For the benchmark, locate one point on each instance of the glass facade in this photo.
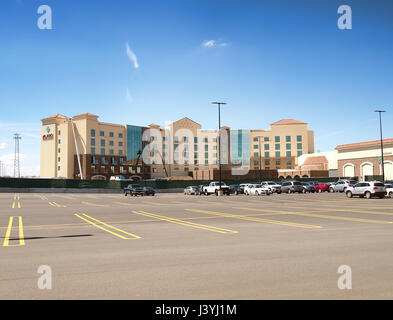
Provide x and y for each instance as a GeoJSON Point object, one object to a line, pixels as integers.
{"type": "Point", "coordinates": [240, 147]}
{"type": "Point", "coordinates": [134, 141]}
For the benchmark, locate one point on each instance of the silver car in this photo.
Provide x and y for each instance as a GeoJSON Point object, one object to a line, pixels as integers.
{"type": "Point", "coordinates": [341, 185]}
{"type": "Point", "coordinates": [367, 189]}
{"type": "Point", "coordinates": [292, 187]}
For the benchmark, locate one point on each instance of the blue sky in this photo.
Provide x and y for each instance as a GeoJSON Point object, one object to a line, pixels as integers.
{"type": "Point", "coordinates": [269, 60]}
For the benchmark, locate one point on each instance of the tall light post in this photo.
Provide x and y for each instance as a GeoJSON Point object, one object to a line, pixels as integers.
{"type": "Point", "coordinates": [17, 137]}
{"type": "Point", "coordinates": [219, 140]}
{"type": "Point", "coordinates": [380, 129]}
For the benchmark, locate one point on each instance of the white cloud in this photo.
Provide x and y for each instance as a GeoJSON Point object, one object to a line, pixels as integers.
{"type": "Point", "coordinates": [209, 43]}
{"type": "Point", "coordinates": [213, 43]}
{"type": "Point", "coordinates": [3, 145]}
{"type": "Point", "coordinates": [131, 55]}
{"type": "Point", "coordinates": [128, 96]}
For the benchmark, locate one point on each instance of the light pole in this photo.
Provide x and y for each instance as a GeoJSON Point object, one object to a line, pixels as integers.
{"type": "Point", "coordinates": [380, 129]}
{"type": "Point", "coordinates": [219, 140]}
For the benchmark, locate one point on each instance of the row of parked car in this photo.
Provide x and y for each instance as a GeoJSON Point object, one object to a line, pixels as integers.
{"type": "Point", "coordinates": [349, 187]}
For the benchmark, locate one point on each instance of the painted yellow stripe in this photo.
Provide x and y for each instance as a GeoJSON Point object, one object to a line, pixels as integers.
{"type": "Point", "coordinates": [21, 235]}
{"type": "Point", "coordinates": [317, 215]}
{"type": "Point", "coordinates": [353, 210]}
{"type": "Point", "coordinates": [185, 223]}
{"type": "Point", "coordinates": [129, 204]}
{"type": "Point", "coordinates": [248, 218]}
{"type": "Point", "coordinates": [94, 204]}
{"type": "Point", "coordinates": [112, 227]}
{"type": "Point", "coordinates": [8, 233]}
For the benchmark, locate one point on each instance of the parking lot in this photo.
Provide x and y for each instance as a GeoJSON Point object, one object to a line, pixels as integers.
{"type": "Point", "coordinates": [172, 246]}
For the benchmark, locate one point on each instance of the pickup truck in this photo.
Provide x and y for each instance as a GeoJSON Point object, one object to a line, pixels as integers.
{"type": "Point", "coordinates": [214, 187]}
{"type": "Point", "coordinates": [133, 190]}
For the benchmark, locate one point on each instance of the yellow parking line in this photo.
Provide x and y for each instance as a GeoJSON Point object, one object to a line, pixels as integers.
{"type": "Point", "coordinates": [107, 225]}
{"type": "Point", "coordinates": [8, 233]}
{"type": "Point", "coordinates": [248, 218]}
{"type": "Point", "coordinates": [184, 223]}
{"type": "Point", "coordinates": [129, 204]}
{"type": "Point", "coordinates": [94, 204]}
{"type": "Point", "coordinates": [316, 215]}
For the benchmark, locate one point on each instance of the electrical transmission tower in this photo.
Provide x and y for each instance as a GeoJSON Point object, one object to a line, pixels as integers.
{"type": "Point", "coordinates": [17, 137]}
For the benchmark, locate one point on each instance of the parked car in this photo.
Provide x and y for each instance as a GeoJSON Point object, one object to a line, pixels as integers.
{"type": "Point", "coordinates": [321, 187]}
{"type": "Point", "coordinates": [389, 190]}
{"type": "Point", "coordinates": [291, 187]}
{"type": "Point", "coordinates": [236, 189]}
{"type": "Point", "coordinates": [148, 191]}
{"type": "Point", "coordinates": [273, 186]}
{"type": "Point", "coordinates": [257, 190]}
{"type": "Point", "coordinates": [191, 190]}
{"type": "Point", "coordinates": [133, 190]}
{"type": "Point", "coordinates": [341, 185]}
{"type": "Point", "coordinates": [214, 187]}
{"type": "Point", "coordinates": [367, 189]}
{"type": "Point", "coordinates": [308, 187]}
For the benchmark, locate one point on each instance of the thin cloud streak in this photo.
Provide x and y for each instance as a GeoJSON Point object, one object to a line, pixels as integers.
{"type": "Point", "coordinates": [131, 55]}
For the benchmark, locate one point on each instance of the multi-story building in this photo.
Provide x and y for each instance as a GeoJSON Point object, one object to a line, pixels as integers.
{"type": "Point", "coordinates": [103, 150]}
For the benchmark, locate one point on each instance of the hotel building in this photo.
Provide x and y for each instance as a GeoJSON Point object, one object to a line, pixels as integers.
{"type": "Point", "coordinates": [104, 150]}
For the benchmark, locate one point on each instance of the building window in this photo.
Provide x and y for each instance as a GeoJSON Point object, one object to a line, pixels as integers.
{"type": "Point", "coordinates": [92, 133]}
{"type": "Point", "coordinates": [164, 139]}
{"type": "Point", "coordinates": [112, 169]}
{"type": "Point", "coordinates": [164, 146]}
{"type": "Point", "coordinates": [214, 139]}
{"type": "Point", "coordinates": [255, 139]}
{"type": "Point", "coordinates": [102, 143]}
{"type": "Point", "coordinates": [120, 135]}
{"type": "Point", "coordinates": [255, 146]}
{"type": "Point", "coordinates": [288, 138]}
{"type": "Point", "coordinates": [288, 146]}
{"type": "Point", "coordinates": [93, 142]}
{"type": "Point", "coordinates": [278, 154]}
{"type": "Point", "coordinates": [278, 162]}
{"type": "Point", "coordinates": [120, 143]}
{"type": "Point", "coordinates": [175, 146]}
{"type": "Point", "coordinates": [196, 162]}
{"type": "Point", "coordinates": [185, 154]}
{"type": "Point", "coordinates": [277, 139]}
{"type": "Point", "coordinates": [58, 159]}
{"type": "Point", "coordinates": [93, 151]}
{"type": "Point", "coordinates": [121, 169]}
{"type": "Point", "coordinates": [59, 141]}
{"type": "Point", "coordinates": [256, 162]}
{"type": "Point", "coordinates": [266, 147]}
{"type": "Point", "coordinates": [205, 139]}
{"type": "Point", "coordinates": [256, 154]}
{"type": "Point", "coordinates": [111, 151]}
{"type": "Point", "coordinates": [267, 162]}
{"type": "Point", "coordinates": [102, 151]}
{"type": "Point", "coordinates": [299, 153]}
{"type": "Point", "coordinates": [299, 145]}
{"type": "Point", "coordinates": [277, 146]}
{"type": "Point", "coordinates": [111, 134]}
{"type": "Point", "coordinates": [266, 138]}
{"type": "Point", "coordinates": [214, 147]}
{"type": "Point", "coordinates": [58, 168]}
{"type": "Point", "coordinates": [111, 143]}
{"type": "Point", "coordinates": [195, 139]}
{"type": "Point", "coordinates": [185, 139]}
{"type": "Point", "coordinates": [59, 132]}
{"type": "Point", "coordinates": [94, 160]}
{"type": "Point", "coordinates": [155, 170]}
{"type": "Point", "coordinates": [299, 138]}
{"type": "Point", "coordinates": [206, 162]}
{"type": "Point", "coordinates": [121, 160]}
{"type": "Point", "coordinates": [102, 133]}
{"type": "Point", "coordinates": [206, 155]}
{"type": "Point", "coordinates": [289, 161]}
{"type": "Point", "coordinates": [176, 155]}
{"type": "Point", "coordinates": [120, 152]}
{"type": "Point", "coordinates": [206, 147]}
{"type": "Point", "coordinates": [214, 155]}
{"type": "Point", "coordinates": [267, 155]}
{"type": "Point", "coordinates": [196, 155]}
{"type": "Point", "coordinates": [289, 154]}
{"type": "Point", "coordinates": [58, 150]}
{"type": "Point", "coordinates": [195, 147]}
{"type": "Point", "coordinates": [175, 139]}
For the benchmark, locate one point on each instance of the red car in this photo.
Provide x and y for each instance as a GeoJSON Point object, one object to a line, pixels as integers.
{"type": "Point", "coordinates": [321, 187]}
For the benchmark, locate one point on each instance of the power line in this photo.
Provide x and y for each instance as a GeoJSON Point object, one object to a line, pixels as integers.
{"type": "Point", "coordinates": [17, 137]}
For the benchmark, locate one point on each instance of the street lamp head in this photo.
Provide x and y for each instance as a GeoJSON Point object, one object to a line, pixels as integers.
{"type": "Point", "coordinates": [219, 103]}
{"type": "Point", "coordinates": [379, 111]}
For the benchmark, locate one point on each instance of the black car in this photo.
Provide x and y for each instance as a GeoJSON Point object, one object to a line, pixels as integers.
{"type": "Point", "coordinates": [308, 187]}
{"type": "Point", "coordinates": [236, 189]}
{"type": "Point", "coordinates": [133, 190]}
{"type": "Point", "coordinates": [148, 191]}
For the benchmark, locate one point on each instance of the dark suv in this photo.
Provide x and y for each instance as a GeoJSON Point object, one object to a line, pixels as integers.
{"type": "Point", "coordinates": [133, 190]}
